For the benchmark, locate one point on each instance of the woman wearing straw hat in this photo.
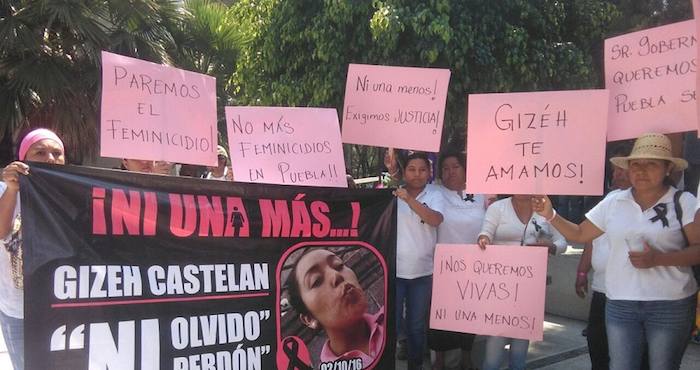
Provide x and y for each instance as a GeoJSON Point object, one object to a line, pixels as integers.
{"type": "Point", "coordinates": [40, 145]}
{"type": "Point", "coordinates": [649, 283]}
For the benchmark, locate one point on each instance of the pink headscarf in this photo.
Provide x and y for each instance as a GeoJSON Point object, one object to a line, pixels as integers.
{"type": "Point", "coordinates": [35, 136]}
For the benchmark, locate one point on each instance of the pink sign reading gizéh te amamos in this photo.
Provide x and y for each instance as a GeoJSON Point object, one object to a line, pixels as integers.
{"type": "Point", "coordinates": [156, 112]}
{"type": "Point", "coordinates": [499, 291]}
{"type": "Point", "coordinates": [651, 77]}
{"type": "Point", "coordinates": [290, 146]}
{"type": "Point", "coordinates": [398, 107]}
{"type": "Point", "coordinates": [550, 142]}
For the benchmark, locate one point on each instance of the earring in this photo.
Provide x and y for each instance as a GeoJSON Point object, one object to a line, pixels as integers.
{"type": "Point", "coordinates": [313, 325]}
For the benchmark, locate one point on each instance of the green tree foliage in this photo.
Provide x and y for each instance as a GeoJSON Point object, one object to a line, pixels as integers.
{"type": "Point", "coordinates": [640, 14]}
{"type": "Point", "coordinates": [50, 60]}
{"type": "Point", "coordinates": [300, 49]}
{"type": "Point", "coordinates": [207, 39]}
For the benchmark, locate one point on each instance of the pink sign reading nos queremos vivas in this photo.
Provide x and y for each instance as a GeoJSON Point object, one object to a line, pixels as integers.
{"type": "Point", "coordinates": [155, 112]}
{"type": "Point", "coordinates": [292, 146]}
{"type": "Point", "coordinates": [549, 142]}
{"type": "Point", "coordinates": [399, 107]}
{"type": "Point", "coordinates": [499, 291]}
{"type": "Point", "coordinates": [651, 75]}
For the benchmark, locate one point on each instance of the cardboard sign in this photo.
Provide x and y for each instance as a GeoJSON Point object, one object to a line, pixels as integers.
{"type": "Point", "coordinates": [537, 143]}
{"type": "Point", "coordinates": [155, 112]}
{"type": "Point", "coordinates": [291, 146]}
{"type": "Point", "coordinates": [651, 77]}
{"type": "Point", "coordinates": [696, 13]}
{"type": "Point", "coordinates": [499, 291]}
{"type": "Point", "coordinates": [399, 107]}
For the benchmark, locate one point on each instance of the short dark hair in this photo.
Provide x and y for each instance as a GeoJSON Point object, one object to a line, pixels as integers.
{"type": "Point", "coordinates": [460, 156]}
{"type": "Point", "coordinates": [418, 155]}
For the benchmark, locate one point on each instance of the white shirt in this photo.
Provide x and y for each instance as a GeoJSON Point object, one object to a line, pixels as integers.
{"type": "Point", "coordinates": [462, 218]}
{"type": "Point", "coordinates": [627, 227]}
{"type": "Point", "coordinates": [415, 239]}
{"type": "Point", "coordinates": [503, 227]}
{"type": "Point", "coordinates": [210, 175]}
{"type": "Point", "coordinates": [599, 260]}
{"type": "Point", "coordinates": [11, 298]}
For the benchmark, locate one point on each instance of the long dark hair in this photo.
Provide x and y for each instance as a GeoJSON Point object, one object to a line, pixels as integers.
{"type": "Point", "coordinates": [293, 290]}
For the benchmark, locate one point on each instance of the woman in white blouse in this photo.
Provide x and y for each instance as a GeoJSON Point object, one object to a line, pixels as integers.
{"type": "Point", "coordinates": [511, 221]}
{"type": "Point", "coordinates": [419, 214]}
{"type": "Point", "coordinates": [463, 215]}
{"type": "Point", "coordinates": [649, 282]}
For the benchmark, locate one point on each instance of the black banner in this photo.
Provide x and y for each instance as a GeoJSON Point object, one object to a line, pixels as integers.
{"type": "Point", "coordinates": [142, 272]}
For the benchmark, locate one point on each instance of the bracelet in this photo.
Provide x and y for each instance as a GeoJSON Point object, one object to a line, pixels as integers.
{"type": "Point", "coordinates": [554, 214]}
{"type": "Point", "coordinates": [582, 273]}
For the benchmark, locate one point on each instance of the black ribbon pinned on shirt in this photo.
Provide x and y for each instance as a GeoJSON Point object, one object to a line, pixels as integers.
{"type": "Point", "coordinates": [290, 346]}
{"type": "Point", "coordinates": [537, 226]}
{"type": "Point", "coordinates": [469, 198]}
{"type": "Point", "coordinates": [661, 211]}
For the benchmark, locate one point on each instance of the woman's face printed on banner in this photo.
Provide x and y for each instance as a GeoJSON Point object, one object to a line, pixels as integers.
{"type": "Point", "coordinates": [330, 290]}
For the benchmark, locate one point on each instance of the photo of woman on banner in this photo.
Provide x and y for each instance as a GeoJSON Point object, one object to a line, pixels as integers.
{"type": "Point", "coordinates": [333, 307]}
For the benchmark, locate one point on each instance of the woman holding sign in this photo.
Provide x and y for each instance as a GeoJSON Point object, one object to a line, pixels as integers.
{"type": "Point", "coordinates": [464, 214]}
{"type": "Point", "coordinates": [649, 282]}
{"type": "Point", "coordinates": [418, 216]}
{"type": "Point", "coordinates": [40, 145]}
{"type": "Point", "coordinates": [511, 221]}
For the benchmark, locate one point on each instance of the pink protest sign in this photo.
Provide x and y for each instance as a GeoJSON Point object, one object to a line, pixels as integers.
{"type": "Point", "coordinates": [398, 107]}
{"type": "Point", "coordinates": [651, 78]}
{"type": "Point", "coordinates": [549, 142]}
{"type": "Point", "coordinates": [499, 291]}
{"type": "Point", "coordinates": [292, 146]}
{"type": "Point", "coordinates": [155, 112]}
{"type": "Point", "coordinates": [696, 13]}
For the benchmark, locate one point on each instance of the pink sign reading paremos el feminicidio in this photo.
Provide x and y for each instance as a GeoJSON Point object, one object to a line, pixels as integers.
{"type": "Point", "coordinates": [651, 78]}
{"type": "Point", "coordinates": [499, 291]}
{"type": "Point", "coordinates": [549, 142]}
{"type": "Point", "coordinates": [399, 107]}
{"type": "Point", "coordinates": [291, 146]}
{"type": "Point", "coordinates": [155, 112]}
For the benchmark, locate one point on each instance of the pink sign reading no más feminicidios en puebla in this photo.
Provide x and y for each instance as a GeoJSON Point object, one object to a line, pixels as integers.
{"type": "Point", "coordinates": [651, 75]}
{"type": "Point", "coordinates": [291, 146]}
{"type": "Point", "coordinates": [498, 291]}
{"type": "Point", "coordinates": [549, 142]}
{"type": "Point", "coordinates": [399, 107]}
{"type": "Point", "coordinates": [156, 112]}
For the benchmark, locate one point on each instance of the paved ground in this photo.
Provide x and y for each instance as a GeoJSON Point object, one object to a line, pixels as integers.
{"type": "Point", "coordinates": [563, 348]}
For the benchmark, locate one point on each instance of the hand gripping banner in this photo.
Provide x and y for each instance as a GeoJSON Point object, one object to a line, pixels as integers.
{"type": "Point", "coordinates": [140, 272]}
